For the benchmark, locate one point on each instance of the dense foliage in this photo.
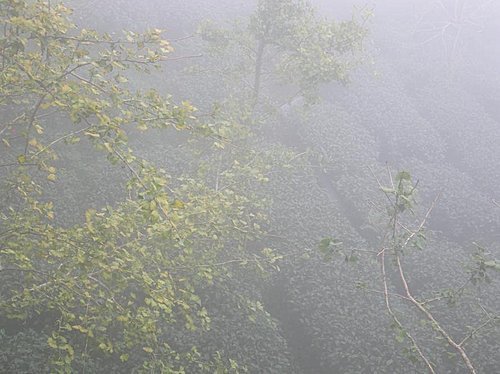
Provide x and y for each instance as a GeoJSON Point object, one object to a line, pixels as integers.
{"type": "Point", "coordinates": [110, 290]}
{"type": "Point", "coordinates": [241, 216]}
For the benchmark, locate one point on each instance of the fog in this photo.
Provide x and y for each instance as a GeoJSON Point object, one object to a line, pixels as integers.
{"type": "Point", "coordinates": [265, 186]}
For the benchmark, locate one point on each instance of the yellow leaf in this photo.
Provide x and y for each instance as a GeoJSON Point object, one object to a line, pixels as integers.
{"type": "Point", "coordinates": [122, 318]}
{"type": "Point", "coordinates": [65, 88]}
{"type": "Point", "coordinates": [142, 126]}
{"type": "Point", "coordinates": [147, 349]}
{"type": "Point", "coordinates": [79, 328]}
{"type": "Point", "coordinates": [108, 147]}
{"type": "Point", "coordinates": [51, 177]}
{"type": "Point", "coordinates": [92, 134]}
{"type": "Point", "coordinates": [121, 79]}
{"type": "Point", "coordinates": [46, 105]}
{"type": "Point", "coordinates": [188, 106]}
{"type": "Point", "coordinates": [178, 204]}
{"type": "Point", "coordinates": [52, 342]}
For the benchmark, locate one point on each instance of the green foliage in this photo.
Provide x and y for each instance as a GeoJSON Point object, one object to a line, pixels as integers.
{"type": "Point", "coordinates": [161, 277]}
{"type": "Point", "coordinates": [402, 190]}
{"type": "Point", "coordinates": [285, 50]}
{"type": "Point", "coordinates": [394, 271]}
{"type": "Point", "coordinates": [24, 352]}
{"type": "Point", "coordinates": [482, 266]}
{"type": "Point", "coordinates": [328, 247]}
{"type": "Point", "coordinates": [117, 284]}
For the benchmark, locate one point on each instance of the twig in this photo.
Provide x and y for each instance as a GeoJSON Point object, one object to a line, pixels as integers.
{"type": "Point", "coordinates": [60, 139]}
{"type": "Point", "coordinates": [380, 185]}
{"type": "Point", "coordinates": [383, 293]}
{"type": "Point", "coordinates": [87, 81]}
{"type": "Point", "coordinates": [161, 59]}
{"type": "Point", "coordinates": [424, 220]}
{"type": "Point", "coordinates": [7, 125]}
{"type": "Point", "coordinates": [182, 38]}
{"type": "Point", "coordinates": [297, 156]}
{"type": "Point", "coordinates": [459, 290]}
{"type": "Point", "coordinates": [32, 120]}
{"type": "Point", "coordinates": [390, 175]}
{"type": "Point", "coordinates": [476, 330]}
{"type": "Point", "coordinates": [111, 298]}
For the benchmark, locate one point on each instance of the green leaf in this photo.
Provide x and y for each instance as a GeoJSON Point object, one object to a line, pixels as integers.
{"type": "Point", "coordinates": [403, 175]}
{"type": "Point", "coordinates": [493, 264]}
{"type": "Point", "coordinates": [21, 159]}
{"type": "Point", "coordinates": [52, 343]}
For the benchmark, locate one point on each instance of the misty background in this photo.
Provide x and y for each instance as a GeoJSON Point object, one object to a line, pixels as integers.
{"type": "Point", "coordinates": [425, 98]}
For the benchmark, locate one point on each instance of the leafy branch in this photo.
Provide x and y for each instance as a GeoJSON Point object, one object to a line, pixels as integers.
{"type": "Point", "coordinates": [401, 199]}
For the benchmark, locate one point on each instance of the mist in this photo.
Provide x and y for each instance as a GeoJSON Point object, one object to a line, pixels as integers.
{"type": "Point", "coordinates": [249, 186]}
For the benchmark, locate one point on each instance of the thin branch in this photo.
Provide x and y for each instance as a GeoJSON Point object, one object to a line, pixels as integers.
{"type": "Point", "coordinates": [164, 59]}
{"type": "Point", "coordinates": [89, 82]}
{"type": "Point", "coordinates": [60, 139]}
{"type": "Point", "coordinates": [101, 41]}
{"type": "Point", "coordinates": [222, 263]}
{"type": "Point", "coordinates": [7, 125]}
{"type": "Point", "coordinates": [112, 298]}
{"type": "Point", "coordinates": [485, 311]}
{"type": "Point", "coordinates": [48, 114]}
{"type": "Point", "coordinates": [477, 329]}
{"type": "Point", "coordinates": [181, 57]}
{"type": "Point", "coordinates": [424, 220]}
{"type": "Point", "coordinates": [32, 120]}
{"type": "Point", "coordinates": [380, 185]}
{"type": "Point", "coordinates": [383, 293]}
{"type": "Point", "coordinates": [390, 176]}
{"type": "Point", "coordinates": [457, 291]}
{"type": "Point", "coordinates": [297, 156]}
{"type": "Point", "coordinates": [181, 38]}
